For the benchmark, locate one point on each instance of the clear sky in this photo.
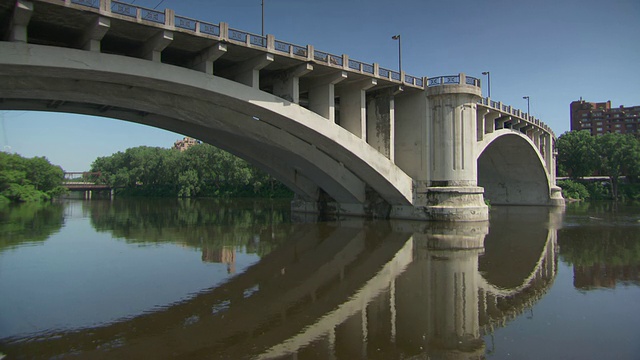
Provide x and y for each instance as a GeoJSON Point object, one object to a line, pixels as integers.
{"type": "Point", "coordinates": [553, 51]}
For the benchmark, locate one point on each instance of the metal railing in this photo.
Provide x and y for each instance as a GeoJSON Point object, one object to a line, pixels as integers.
{"type": "Point", "coordinates": [510, 110]}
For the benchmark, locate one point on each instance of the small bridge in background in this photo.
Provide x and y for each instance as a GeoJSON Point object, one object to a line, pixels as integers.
{"type": "Point", "coordinates": [85, 181]}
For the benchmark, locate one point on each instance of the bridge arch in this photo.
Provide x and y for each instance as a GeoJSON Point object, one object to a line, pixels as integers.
{"type": "Point", "coordinates": [511, 171]}
{"type": "Point", "coordinates": [301, 148]}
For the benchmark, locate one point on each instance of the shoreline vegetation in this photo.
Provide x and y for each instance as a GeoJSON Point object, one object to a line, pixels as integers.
{"type": "Point", "coordinates": [204, 171]}
{"type": "Point", "coordinates": [616, 157]}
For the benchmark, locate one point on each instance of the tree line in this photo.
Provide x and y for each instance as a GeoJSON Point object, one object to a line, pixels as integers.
{"type": "Point", "coordinates": [613, 155]}
{"type": "Point", "coordinates": [200, 171]}
{"type": "Point", "coordinates": [28, 179]}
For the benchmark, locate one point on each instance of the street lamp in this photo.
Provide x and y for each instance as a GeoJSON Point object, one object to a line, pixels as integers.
{"type": "Point", "coordinates": [528, 111]}
{"type": "Point", "coordinates": [397, 37]}
{"type": "Point", "coordinates": [262, 17]}
{"type": "Point", "coordinates": [488, 82]}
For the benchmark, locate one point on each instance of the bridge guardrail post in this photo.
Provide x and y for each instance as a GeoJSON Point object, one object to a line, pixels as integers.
{"type": "Point", "coordinates": [105, 6]}
{"type": "Point", "coordinates": [224, 31]}
{"type": "Point", "coordinates": [271, 43]}
{"type": "Point", "coordinates": [310, 52]}
{"type": "Point", "coordinates": [169, 18]}
{"type": "Point", "coordinates": [345, 61]}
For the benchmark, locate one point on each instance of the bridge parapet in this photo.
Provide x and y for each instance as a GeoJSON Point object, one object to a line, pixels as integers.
{"type": "Point", "coordinates": [519, 114]}
{"type": "Point", "coordinates": [170, 21]}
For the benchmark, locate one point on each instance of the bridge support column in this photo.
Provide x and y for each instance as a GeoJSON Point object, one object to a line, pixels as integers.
{"type": "Point", "coordinates": [248, 73]}
{"type": "Point", "coordinates": [94, 33]}
{"type": "Point", "coordinates": [322, 98]}
{"type": "Point", "coordinates": [490, 122]}
{"type": "Point", "coordinates": [353, 106]}
{"type": "Point", "coordinates": [381, 121]}
{"type": "Point", "coordinates": [19, 21]}
{"type": "Point", "coordinates": [452, 193]}
{"type": "Point", "coordinates": [287, 86]}
{"type": "Point", "coordinates": [411, 150]}
{"type": "Point", "coordinates": [501, 121]}
{"type": "Point", "coordinates": [152, 49]}
{"type": "Point", "coordinates": [204, 61]}
{"type": "Point", "coordinates": [480, 121]}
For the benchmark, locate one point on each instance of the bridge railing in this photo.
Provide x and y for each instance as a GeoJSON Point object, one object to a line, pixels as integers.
{"type": "Point", "coordinates": [452, 80]}
{"type": "Point", "coordinates": [221, 31]}
{"type": "Point", "coordinates": [510, 110]}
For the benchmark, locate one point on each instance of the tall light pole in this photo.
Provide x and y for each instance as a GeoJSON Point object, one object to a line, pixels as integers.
{"type": "Point", "coordinates": [397, 37]}
{"type": "Point", "coordinates": [262, 17]}
{"type": "Point", "coordinates": [528, 110]}
{"type": "Point", "coordinates": [488, 82]}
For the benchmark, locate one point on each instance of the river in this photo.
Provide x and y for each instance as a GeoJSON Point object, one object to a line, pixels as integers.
{"type": "Point", "coordinates": [246, 279]}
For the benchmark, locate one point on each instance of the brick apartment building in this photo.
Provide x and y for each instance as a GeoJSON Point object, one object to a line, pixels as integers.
{"type": "Point", "coordinates": [601, 118]}
{"type": "Point", "coordinates": [185, 143]}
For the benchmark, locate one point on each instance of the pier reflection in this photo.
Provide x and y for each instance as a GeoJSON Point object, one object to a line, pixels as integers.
{"type": "Point", "coordinates": [343, 290]}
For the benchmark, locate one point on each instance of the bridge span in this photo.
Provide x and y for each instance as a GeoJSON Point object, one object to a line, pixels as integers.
{"type": "Point", "coordinates": [348, 137]}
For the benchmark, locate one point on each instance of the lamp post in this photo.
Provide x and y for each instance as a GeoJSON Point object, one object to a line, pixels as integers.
{"type": "Point", "coordinates": [397, 37]}
{"type": "Point", "coordinates": [262, 17]}
{"type": "Point", "coordinates": [488, 82]}
{"type": "Point", "coordinates": [528, 111]}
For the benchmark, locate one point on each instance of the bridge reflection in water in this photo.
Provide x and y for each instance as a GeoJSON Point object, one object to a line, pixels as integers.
{"type": "Point", "coordinates": [347, 290]}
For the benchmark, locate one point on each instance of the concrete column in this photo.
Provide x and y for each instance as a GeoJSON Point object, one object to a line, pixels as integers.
{"type": "Point", "coordinates": [549, 157]}
{"type": "Point", "coordinates": [94, 33]}
{"type": "Point", "coordinates": [204, 61]}
{"type": "Point", "coordinates": [152, 49]}
{"type": "Point", "coordinates": [501, 120]}
{"type": "Point", "coordinates": [322, 95]}
{"type": "Point", "coordinates": [248, 72]}
{"type": "Point", "coordinates": [381, 121]}
{"type": "Point", "coordinates": [482, 112]}
{"type": "Point", "coordinates": [453, 194]}
{"type": "Point", "coordinates": [411, 137]}
{"type": "Point", "coordinates": [453, 133]}
{"type": "Point", "coordinates": [490, 121]}
{"type": "Point", "coordinates": [518, 123]}
{"type": "Point", "coordinates": [535, 136]}
{"type": "Point", "coordinates": [287, 85]}
{"type": "Point", "coordinates": [19, 21]}
{"type": "Point", "coordinates": [353, 106]}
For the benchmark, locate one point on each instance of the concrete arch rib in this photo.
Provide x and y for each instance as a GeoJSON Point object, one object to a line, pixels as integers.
{"type": "Point", "coordinates": [511, 171]}
{"type": "Point", "coordinates": [287, 139]}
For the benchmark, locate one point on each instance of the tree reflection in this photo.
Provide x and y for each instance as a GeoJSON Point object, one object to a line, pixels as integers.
{"type": "Point", "coordinates": [29, 222]}
{"type": "Point", "coordinates": [207, 224]}
{"type": "Point", "coordinates": [602, 255]}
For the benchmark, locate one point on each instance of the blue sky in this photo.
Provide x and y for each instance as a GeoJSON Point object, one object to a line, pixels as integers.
{"type": "Point", "coordinates": [553, 51]}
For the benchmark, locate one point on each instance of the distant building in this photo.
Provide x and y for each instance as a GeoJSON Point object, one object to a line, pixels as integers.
{"type": "Point", "coordinates": [601, 118]}
{"type": "Point", "coordinates": [185, 143]}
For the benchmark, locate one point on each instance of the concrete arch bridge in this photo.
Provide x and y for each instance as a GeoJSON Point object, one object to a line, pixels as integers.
{"type": "Point", "coordinates": [349, 137]}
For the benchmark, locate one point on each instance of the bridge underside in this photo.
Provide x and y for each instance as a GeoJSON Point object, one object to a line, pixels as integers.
{"type": "Point", "coordinates": [511, 173]}
{"type": "Point", "coordinates": [308, 153]}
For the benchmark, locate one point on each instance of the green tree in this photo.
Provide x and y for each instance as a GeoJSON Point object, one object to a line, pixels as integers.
{"type": "Point", "coordinates": [29, 179]}
{"type": "Point", "coordinates": [200, 171]}
{"type": "Point", "coordinates": [618, 155]}
{"type": "Point", "coordinates": [577, 153]}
